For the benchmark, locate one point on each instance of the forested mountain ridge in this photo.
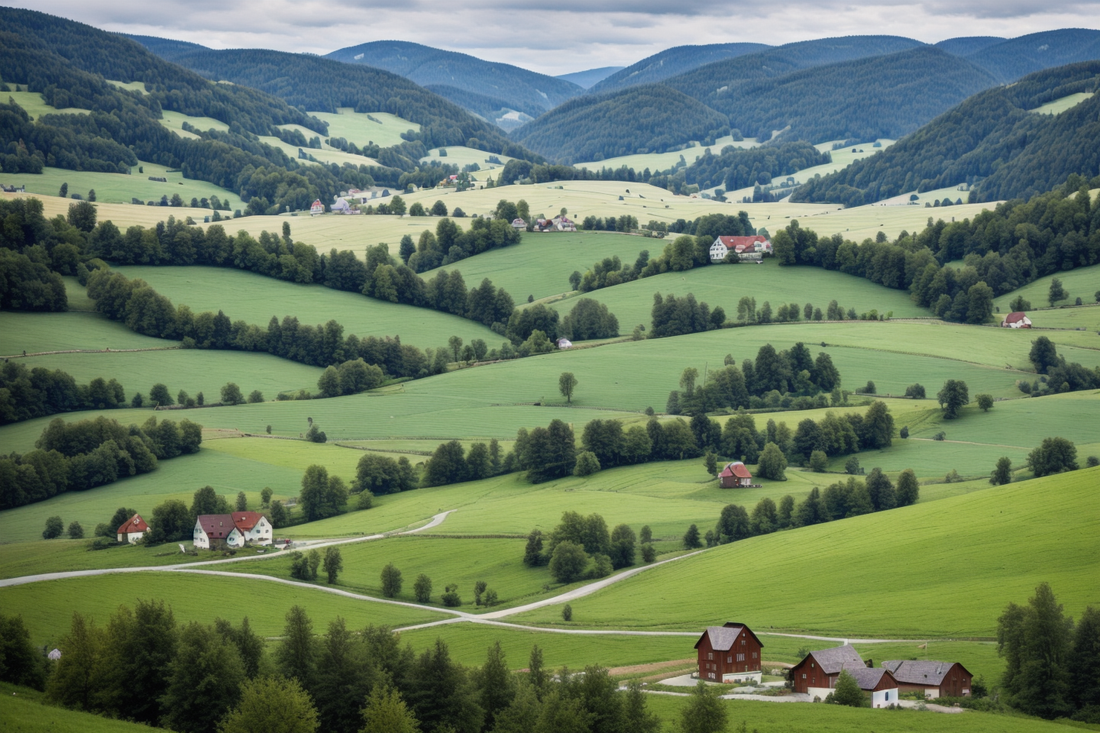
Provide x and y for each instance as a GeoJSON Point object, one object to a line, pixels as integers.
{"type": "Point", "coordinates": [1017, 57]}
{"type": "Point", "coordinates": [968, 44]}
{"type": "Point", "coordinates": [323, 85]}
{"type": "Point", "coordinates": [671, 62]}
{"type": "Point", "coordinates": [589, 77]}
{"type": "Point", "coordinates": [520, 88]}
{"type": "Point", "coordinates": [167, 48]}
{"type": "Point", "coordinates": [650, 118]}
{"type": "Point", "coordinates": [992, 140]}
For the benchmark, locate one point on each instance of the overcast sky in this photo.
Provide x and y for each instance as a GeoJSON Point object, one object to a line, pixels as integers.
{"type": "Point", "coordinates": [565, 35]}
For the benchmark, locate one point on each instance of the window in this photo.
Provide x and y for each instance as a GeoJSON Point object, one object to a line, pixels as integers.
{"type": "Point", "coordinates": [729, 660]}
{"type": "Point", "coordinates": [754, 655]}
{"type": "Point", "coordinates": [803, 675]}
{"type": "Point", "coordinates": [710, 655]}
{"type": "Point", "coordinates": [740, 657]}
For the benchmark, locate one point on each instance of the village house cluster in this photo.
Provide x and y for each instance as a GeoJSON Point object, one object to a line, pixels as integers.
{"type": "Point", "coordinates": [732, 654]}
{"type": "Point", "coordinates": [235, 530]}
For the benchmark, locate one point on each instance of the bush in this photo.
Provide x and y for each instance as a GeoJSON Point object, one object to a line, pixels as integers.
{"type": "Point", "coordinates": [422, 588]}
{"type": "Point", "coordinates": [391, 581]}
{"type": "Point", "coordinates": [915, 392]}
{"type": "Point", "coordinates": [450, 597]}
{"type": "Point", "coordinates": [1092, 462]}
{"type": "Point", "coordinates": [76, 532]}
{"type": "Point", "coordinates": [649, 553]}
{"type": "Point", "coordinates": [101, 543]}
{"type": "Point", "coordinates": [869, 388]}
{"type": "Point", "coordinates": [818, 461]}
{"type": "Point", "coordinates": [904, 433]}
{"type": "Point", "coordinates": [54, 528]}
{"type": "Point", "coordinates": [366, 499]}
{"type": "Point", "coordinates": [567, 613]}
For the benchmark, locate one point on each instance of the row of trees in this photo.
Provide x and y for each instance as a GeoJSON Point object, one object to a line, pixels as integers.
{"type": "Point", "coordinates": [582, 547]}
{"type": "Point", "coordinates": [449, 243]}
{"type": "Point", "coordinates": [1056, 374]}
{"type": "Point", "coordinates": [30, 393]}
{"type": "Point", "coordinates": [28, 284]}
{"type": "Point", "coordinates": [82, 455]}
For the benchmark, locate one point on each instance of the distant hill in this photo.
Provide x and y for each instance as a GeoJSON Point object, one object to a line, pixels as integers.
{"type": "Point", "coordinates": [1012, 59]}
{"type": "Point", "coordinates": [671, 62]}
{"type": "Point", "coordinates": [322, 85]}
{"type": "Point", "coordinates": [585, 79]}
{"type": "Point", "coordinates": [167, 48]}
{"type": "Point", "coordinates": [519, 88]}
{"type": "Point", "coordinates": [991, 139]}
{"type": "Point", "coordinates": [968, 44]}
{"type": "Point", "coordinates": [650, 118]}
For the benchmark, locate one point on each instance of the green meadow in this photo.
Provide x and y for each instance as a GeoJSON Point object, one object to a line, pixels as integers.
{"type": "Point", "coordinates": [361, 128]}
{"type": "Point", "coordinates": [658, 162]}
{"type": "Point", "coordinates": [1083, 283]}
{"type": "Point", "coordinates": [1083, 318]}
{"type": "Point", "coordinates": [255, 299]}
{"type": "Point", "coordinates": [35, 332]}
{"type": "Point", "coordinates": [463, 156]}
{"type": "Point", "coordinates": [724, 285]}
{"type": "Point", "coordinates": [1061, 105]}
{"type": "Point", "coordinates": [24, 710]}
{"type": "Point", "coordinates": [939, 569]}
{"type": "Point", "coordinates": [47, 607]}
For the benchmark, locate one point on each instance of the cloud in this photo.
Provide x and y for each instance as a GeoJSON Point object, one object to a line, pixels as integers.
{"type": "Point", "coordinates": [570, 35]}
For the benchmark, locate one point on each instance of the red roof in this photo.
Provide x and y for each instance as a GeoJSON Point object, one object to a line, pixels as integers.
{"type": "Point", "coordinates": [246, 520]}
{"type": "Point", "coordinates": [737, 468]}
{"type": "Point", "coordinates": [1015, 317]}
{"type": "Point", "coordinates": [133, 524]}
{"type": "Point", "coordinates": [733, 242]}
{"type": "Point", "coordinates": [216, 526]}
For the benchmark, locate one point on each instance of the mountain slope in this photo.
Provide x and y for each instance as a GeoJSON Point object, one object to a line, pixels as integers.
{"type": "Point", "coordinates": [585, 79]}
{"type": "Point", "coordinates": [1012, 59]}
{"type": "Point", "coordinates": [968, 44]}
{"type": "Point", "coordinates": [167, 48]}
{"type": "Point", "coordinates": [323, 85]}
{"type": "Point", "coordinates": [992, 138]}
{"type": "Point", "coordinates": [520, 88]}
{"type": "Point", "coordinates": [650, 118]}
{"type": "Point", "coordinates": [671, 62]}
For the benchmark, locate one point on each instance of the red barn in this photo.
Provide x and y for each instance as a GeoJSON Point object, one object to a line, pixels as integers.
{"type": "Point", "coordinates": [934, 679]}
{"type": "Point", "coordinates": [817, 674]}
{"type": "Point", "coordinates": [729, 653]}
{"type": "Point", "coordinates": [733, 475]}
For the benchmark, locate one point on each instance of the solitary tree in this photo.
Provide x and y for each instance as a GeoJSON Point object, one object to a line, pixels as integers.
{"type": "Point", "coordinates": [1053, 455]}
{"type": "Point", "coordinates": [1002, 472]}
{"type": "Point", "coordinates": [704, 712]}
{"type": "Point", "coordinates": [422, 588]}
{"type": "Point", "coordinates": [231, 394]}
{"type": "Point", "coordinates": [984, 401]}
{"type": "Point", "coordinates": [54, 528]}
{"type": "Point", "coordinates": [773, 464]}
{"type": "Point", "coordinates": [952, 398]}
{"type": "Point", "coordinates": [566, 384]}
{"type": "Point", "coordinates": [391, 581]}
{"type": "Point", "coordinates": [1056, 292]}
{"type": "Point", "coordinates": [691, 538]}
{"type": "Point", "coordinates": [333, 563]}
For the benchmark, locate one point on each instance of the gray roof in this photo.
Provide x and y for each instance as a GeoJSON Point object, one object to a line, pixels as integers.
{"type": "Point", "coordinates": [833, 660]}
{"type": "Point", "coordinates": [867, 677]}
{"type": "Point", "coordinates": [918, 672]}
{"type": "Point", "coordinates": [722, 637]}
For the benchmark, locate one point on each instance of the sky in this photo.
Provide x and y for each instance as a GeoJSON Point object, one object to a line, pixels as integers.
{"type": "Point", "coordinates": [565, 35]}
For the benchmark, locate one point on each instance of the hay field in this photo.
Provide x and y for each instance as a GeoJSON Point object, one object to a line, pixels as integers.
{"type": "Point", "coordinates": [657, 162]}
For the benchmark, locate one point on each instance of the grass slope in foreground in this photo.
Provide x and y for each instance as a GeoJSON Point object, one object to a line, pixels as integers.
{"type": "Point", "coordinates": [941, 569]}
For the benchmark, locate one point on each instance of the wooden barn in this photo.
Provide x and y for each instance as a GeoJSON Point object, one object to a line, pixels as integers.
{"type": "Point", "coordinates": [816, 675]}
{"type": "Point", "coordinates": [878, 683]}
{"type": "Point", "coordinates": [729, 653]}
{"type": "Point", "coordinates": [934, 679]}
{"type": "Point", "coordinates": [734, 475]}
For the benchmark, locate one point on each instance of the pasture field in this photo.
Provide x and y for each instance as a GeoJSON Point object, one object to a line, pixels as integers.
{"type": "Point", "coordinates": [1059, 106]}
{"type": "Point", "coordinates": [24, 710]}
{"type": "Point", "coordinates": [462, 156]}
{"type": "Point", "coordinates": [174, 122]}
{"type": "Point", "coordinates": [255, 298]}
{"type": "Point", "coordinates": [384, 129]}
{"type": "Point", "coordinates": [1085, 317]}
{"type": "Point", "coordinates": [794, 718]}
{"type": "Point", "coordinates": [77, 296]}
{"type": "Point", "coordinates": [120, 188]}
{"type": "Point", "coordinates": [540, 264]}
{"type": "Point", "coordinates": [326, 154]}
{"type": "Point", "coordinates": [123, 215]}
{"type": "Point", "coordinates": [36, 106]}
{"type": "Point", "coordinates": [1081, 283]}
{"type": "Point", "coordinates": [657, 162]}
{"type": "Point", "coordinates": [939, 569]}
{"type": "Point", "coordinates": [47, 607]}
{"type": "Point", "coordinates": [724, 285]}
{"type": "Point", "coordinates": [35, 332]}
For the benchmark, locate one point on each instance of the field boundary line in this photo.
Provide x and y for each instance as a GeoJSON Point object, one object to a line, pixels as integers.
{"type": "Point", "coordinates": [89, 351]}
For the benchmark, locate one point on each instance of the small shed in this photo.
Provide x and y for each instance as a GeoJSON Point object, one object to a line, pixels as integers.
{"type": "Point", "coordinates": [132, 530]}
{"type": "Point", "coordinates": [734, 475]}
{"type": "Point", "coordinates": [564, 343]}
{"type": "Point", "coordinates": [1016, 319]}
{"type": "Point", "coordinates": [878, 683]}
{"type": "Point", "coordinates": [54, 655]}
{"type": "Point", "coordinates": [316, 208]}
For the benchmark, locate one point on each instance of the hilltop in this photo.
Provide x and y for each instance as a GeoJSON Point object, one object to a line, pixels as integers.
{"type": "Point", "coordinates": [671, 62]}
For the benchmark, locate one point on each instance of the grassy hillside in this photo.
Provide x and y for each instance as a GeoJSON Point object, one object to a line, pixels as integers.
{"type": "Point", "coordinates": [255, 299]}
{"type": "Point", "coordinates": [1081, 283]}
{"type": "Point", "coordinates": [24, 711]}
{"type": "Point", "coordinates": [945, 568]}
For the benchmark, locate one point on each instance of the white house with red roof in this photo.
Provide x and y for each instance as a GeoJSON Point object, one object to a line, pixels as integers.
{"type": "Point", "coordinates": [1016, 319]}
{"type": "Point", "coordinates": [316, 208]}
{"type": "Point", "coordinates": [746, 248]}
{"type": "Point", "coordinates": [734, 475]}
{"type": "Point", "coordinates": [254, 527]}
{"type": "Point", "coordinates": [210, 529]}
{"type": "Point", "coordinates": [132, 530]}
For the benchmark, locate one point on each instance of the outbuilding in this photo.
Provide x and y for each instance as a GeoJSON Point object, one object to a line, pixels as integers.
{"type": "Point", "coordinates": [734, 475]}
{"type": "Point", "coordinates": [729, 653]}
{"type": "Point", "coordinates": [934, 679]}
{"type": "Point", "coordinates": [816, 675]}
{"type": "Point", "coordinates": [316, 208]}
{"type": "Point", "coordinates": [878, 683]}
{"type": "Point", "coordinates": [1016, 319]}
{"type": "Point", "coordinates": [132, 530]}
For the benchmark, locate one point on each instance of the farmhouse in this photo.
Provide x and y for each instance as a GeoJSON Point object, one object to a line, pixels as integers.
{"type": "Point", "coordinates": [729, 653]}
{"type": "Point", "coordinates": [519, 225]}
{"type": "Point", "coordinates": [816, 675]}
{"type": "Point", "coordinates": [746, 248]}
{"type": "Point", "coordinates": [1016, 319]}
{"type": "Point", "coordinates": [557, 224]}
{"type": "Point", "coordinates": [934, 679]}
{"type": "Point", "coordinates": [316, 208]}
{"type": "Point", "coordinates": [734, 475]}
{"type": "Point", "coordinates": [132, 530]}
{"type": "Point", "coordinates": [253, 526]}
{"type": "Point", "coordinates": [210, 529]}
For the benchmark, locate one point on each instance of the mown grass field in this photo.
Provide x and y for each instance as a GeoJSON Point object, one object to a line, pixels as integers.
{"type": "Point", "coordinates": [47, 607]}
{"type": "Point", "coordinates": [36, 106]}
{"type": "Point", "coordinates": [657, 162]}
{"type": "Point", "coordinates": [1081, 283]}
{"type": "Point", "coordinates": [35, 332]}
{"type": "Point", "coordinates": [24, 710]}
{"type": "Point", "coordinates": [940, 569]}
{"type": "Point", "coordinates": [358, 127]}
{"type": "Point", "coordinates": [255, 299]}
{"type": "Point", "coordinates": [725, 285]}
{"type": "Point", "coordinates": [1061, 105]}
{"type": "Point", "coordinates": [1085, 318]}
{"type": "Point", "coordinates": [463, 156]}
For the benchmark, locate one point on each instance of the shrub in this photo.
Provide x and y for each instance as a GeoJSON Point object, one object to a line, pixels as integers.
{"type": "Point", "coordinates": [818, 461]}
{"type": "Point", "coordinates": [869, 388]}
{"type": "Point", "coordinates": [915, 391]}
{"type": "Point", "coordinates": [450, 597]}
{"type": "Point", "coordinates": [567, 612]}
{"type": "Point", "coordinates": [649, 554]}
{"type": "Point", "coordinates": [391, 581]}
{"type": "Point", "coordinates": [422, 588]}
{"type": "Point", "coordinates": [76, 532]}
{"type": "Point", "coordinates": [54, 528]}
{"type": "Point", "coordinates": [101, 543]}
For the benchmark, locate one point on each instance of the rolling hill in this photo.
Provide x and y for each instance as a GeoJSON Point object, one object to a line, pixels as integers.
{"type": "Point", "coordinates": [589, 77]}
{"type": "Point", "coordinates": [992, 138]}
{"type": "Point", "coordinates": [520, 89]}
{"type": "Point", "coordinates": [968, 44]}
{"type": "Point", "coordinates": [1017, 57]}
{"type": "Point", "coordinates": [671, 62]}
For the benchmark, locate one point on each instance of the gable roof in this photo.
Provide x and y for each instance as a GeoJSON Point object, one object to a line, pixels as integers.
{"type": "Point", "coordinates": [245, 521]}
{"type": "Point", "coordinates": [1015, 317]}
{"type": "Point", "coordinates": [723, 637]}
{"type": "Point", "coordinates": [833, 660]}
{"type": "Point", "coordinates": [869, 678]}
{"type": "Point", "coordinates": [216, 526]}
{"type": "Point", "coordinates": [734, 242]}
{"type": "Point", "coordinates": [920, 672]}
{"type": "Point", "coordinates": [736, 468]}
{"type": "Point", "coordinates": [133, 524]}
